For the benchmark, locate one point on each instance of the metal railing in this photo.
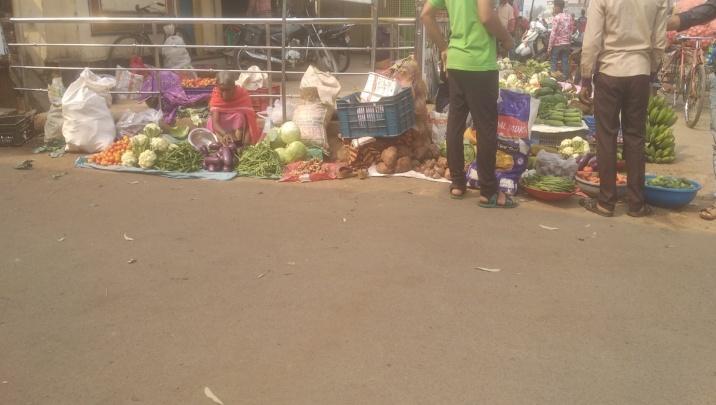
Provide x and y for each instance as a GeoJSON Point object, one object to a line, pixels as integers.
{"type": "Point", "coordinates": [374, 21]}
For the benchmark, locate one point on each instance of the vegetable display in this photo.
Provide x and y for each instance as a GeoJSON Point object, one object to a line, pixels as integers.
{"type": "Point", "coordinates": [593, 178]}
{"type": "Point", "coordinates": [198, 83]}
{"type": "Point", "coordinates": [260, 161]}
{"type": "Point", "coordinates": [660, 140]}
{"type": "Point", "coordinates": [313, 166]}
{"type": "Point", "coordinates": [112, 155]}
{"type": "Point", "coordinates": [553, 108]}
{"type": "Point", "coordinates": [552, 184]}
{"type": "Point", "coordinates": [574, 147]}
{"type": "Point", "coordinates": [182, 158]}
{"type": "Point", "coordinates": [678, 183]}
{"type": "Point", "coordinates": [218, 157]}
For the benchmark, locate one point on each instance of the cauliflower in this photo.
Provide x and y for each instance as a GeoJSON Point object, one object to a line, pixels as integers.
{"type": "Point", "coordinates": [565, 143]}
{"type": "Point", "coordinates": [567, 151]}
{"type": "Point", "coordinates": [140, 141]}
{"type": "Point", "coordinates": [129, 159]}
{"type": "Point", "coordinates": [152, 130]}
{"type": "Point", "coordinates": [534, 80]}
{"type": "Point", "coordinates": [147, 159]}
{"type": "Point", "coordinates": [158, 144]}
{"type": "Point", "coordinates": [512, 80]}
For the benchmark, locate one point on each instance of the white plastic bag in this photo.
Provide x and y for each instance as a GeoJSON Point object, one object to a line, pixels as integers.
{"type": "Point", "coordinates": [438, 122]}
{"type": "Point", "coordinates": [276, 114]}
{"type": "Point", "coordinates": [325, 84]}
{"type": "Point", "coordinates": [133, 122]}
{"type": "Point", "coordinates": [253, 80]}
{"type": "Point", "coordinates": [176, 57]}
{"type": "Point", "coordinates": [88, 123]}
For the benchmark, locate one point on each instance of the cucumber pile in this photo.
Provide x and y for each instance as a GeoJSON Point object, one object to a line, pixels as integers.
{"type": "Point", "coordinates": [660, 140]}
{"type": "Point", "coordinates": [553, 109]}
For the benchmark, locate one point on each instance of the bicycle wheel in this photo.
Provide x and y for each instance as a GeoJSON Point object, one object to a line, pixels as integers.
{"type": "Point", "coordinates": [325, 61]}
{"type": "Point", "coordinates": [122, 54]}
{"type": "Point", "coordinates": [696, 96]}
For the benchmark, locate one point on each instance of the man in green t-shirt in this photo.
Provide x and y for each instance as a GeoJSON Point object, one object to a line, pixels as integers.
{"type": "Point", "coordinates": [471, 61]}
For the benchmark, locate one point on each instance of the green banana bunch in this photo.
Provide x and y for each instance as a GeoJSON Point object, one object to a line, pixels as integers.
{"type": "Point", "coordinates": [660, 140]}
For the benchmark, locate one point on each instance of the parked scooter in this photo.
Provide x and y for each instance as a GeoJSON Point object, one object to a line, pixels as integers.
{"type": "Point", "coordinates": [300, 36]}
{"type": "Point", "coordinates": [534, 43]}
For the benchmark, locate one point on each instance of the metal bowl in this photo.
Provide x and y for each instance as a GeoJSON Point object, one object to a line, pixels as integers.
{"type": "Point", "coordinates": [201, 137]}
{"type": "Point", "coordinates": [592, 189]}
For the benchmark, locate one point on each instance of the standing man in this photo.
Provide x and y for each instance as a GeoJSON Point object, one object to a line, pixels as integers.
{"type": "Point", "coordinates": [623, 46]}
{"type": "Point", "coordinates": [471, 60]}
{"type": "Point", "coordinates": [561, 38]}
{"type": "Point", "coordinates": [698, 15]}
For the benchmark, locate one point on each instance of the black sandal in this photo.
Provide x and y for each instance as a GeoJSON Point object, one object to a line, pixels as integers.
{"type": "Point", "coordinates": [645, 211]}
{"type": "Point", "coordinates": [463, 190]}
{"type": "Point", "coordinates": [592, 205]}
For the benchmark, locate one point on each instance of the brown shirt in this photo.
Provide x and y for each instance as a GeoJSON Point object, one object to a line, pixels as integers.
{"type": "Point", "coordinates": [624, 37]}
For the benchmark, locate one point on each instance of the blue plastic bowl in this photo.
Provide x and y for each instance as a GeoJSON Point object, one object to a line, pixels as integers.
{"type": "Point", "coordinates": [669, 198]}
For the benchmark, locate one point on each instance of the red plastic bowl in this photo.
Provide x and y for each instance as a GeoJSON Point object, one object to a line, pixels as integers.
{"type": "Point", "coordinates": [546, 195]}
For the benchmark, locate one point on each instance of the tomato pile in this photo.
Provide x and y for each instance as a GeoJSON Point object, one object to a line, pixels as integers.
{"type": "Point", "coordinates": [112, 155]}
{"type": "Point", "coordinates": [593, 177]}
{"type": "Point", "coordinates": [198, 83]}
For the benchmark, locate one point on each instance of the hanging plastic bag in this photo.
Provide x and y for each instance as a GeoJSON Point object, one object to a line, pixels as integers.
{"type": "Point", "coordinates": [276, 114]}
{"type": "Point", "coordinates": [88, 124]}
{"type": "Point", "coordinates": [176, 56]}
{"type": "Point", "coordinates": [132, 122]}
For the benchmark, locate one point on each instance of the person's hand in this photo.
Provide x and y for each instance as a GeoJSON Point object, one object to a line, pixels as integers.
{"type": "Point", "coordinates": [585, 95]}
{"type": "Point", "coordinates": [443, 60]}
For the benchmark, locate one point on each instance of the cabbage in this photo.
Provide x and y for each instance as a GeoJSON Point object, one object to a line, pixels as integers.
{"type": "Point", "coordinates": [274, 138]}
{"type": "Point", "coordinates": [296, 151]}
{"type": "Point", "coordinates": [290, 132]}
{"type": "Point", "coordinates": [152, 130]}
{"type": "Point", "coordinates": [469, 152]}
{"type": "Point", "coordinates": [283, 155]}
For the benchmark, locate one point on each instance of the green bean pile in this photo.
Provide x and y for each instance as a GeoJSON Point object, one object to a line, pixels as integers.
{"type": "Point", "coordinates": [184, 158]}
{"type": "Point", "coordinates": [260, 161]}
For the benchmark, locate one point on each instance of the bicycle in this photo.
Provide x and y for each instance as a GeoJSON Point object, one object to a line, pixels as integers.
{"type": "Point", "coordinates": [686, 72]}
{"type": "Point", "coordinates": [121, 55]}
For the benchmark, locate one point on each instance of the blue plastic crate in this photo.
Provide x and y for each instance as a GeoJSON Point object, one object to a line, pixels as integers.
{"type": "Point", "coordinates": [389, 117]}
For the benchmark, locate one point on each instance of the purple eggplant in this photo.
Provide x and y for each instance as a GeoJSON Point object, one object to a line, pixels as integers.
{"type": "Point", "coordinates": [584, 161]}
{"type": "Point", "coordinates": [233, 146]}
{"type": "Point", "coordinates": [213, 160]}
{"type": "Point", "coordinates": [214, 146]}
{"type": "Point", "coordinates": [214, 168]}
{"type": "Point", "coordinates": [227, 155]}
{"type": "Point", "coordinates": [594, 164]}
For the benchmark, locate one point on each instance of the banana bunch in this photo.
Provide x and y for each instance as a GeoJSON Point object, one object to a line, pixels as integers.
{"type": "Point", "coordinates": [659, 132]}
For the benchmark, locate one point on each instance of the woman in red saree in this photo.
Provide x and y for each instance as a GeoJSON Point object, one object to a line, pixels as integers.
{"type": "Point", "coordinates": [232, 114]}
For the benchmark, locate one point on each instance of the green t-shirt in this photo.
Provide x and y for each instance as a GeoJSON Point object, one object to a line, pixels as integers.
{"type": "Point", "coordinates": [471, 47]}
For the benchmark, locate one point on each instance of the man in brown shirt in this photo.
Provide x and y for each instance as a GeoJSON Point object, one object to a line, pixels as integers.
{"type": "Point", "coordinates": [623, 46]}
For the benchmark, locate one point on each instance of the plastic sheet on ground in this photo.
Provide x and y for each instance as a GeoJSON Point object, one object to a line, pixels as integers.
{"type": "Point", "coordinates": [82, 162]}
{"type": "Point", "coordinates": [373, 172]}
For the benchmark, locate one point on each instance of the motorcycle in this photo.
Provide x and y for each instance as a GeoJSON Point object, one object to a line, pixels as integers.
{"type": "Point", "coordinates": [534, 43]}
{"type": "Point", "coordinates": [298, 36]}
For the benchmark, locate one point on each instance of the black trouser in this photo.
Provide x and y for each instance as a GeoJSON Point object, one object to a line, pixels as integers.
{"type": "Point", "coordinates": [628, 97]}
{"type": "Point", "coordinates": [475, 93]}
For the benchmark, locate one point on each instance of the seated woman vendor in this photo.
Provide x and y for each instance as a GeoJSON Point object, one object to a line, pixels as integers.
{"type": "Point", "coordinates": [232, 114]}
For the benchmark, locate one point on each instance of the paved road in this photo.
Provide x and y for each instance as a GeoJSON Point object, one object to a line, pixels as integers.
{"type": "Point", "coordinates": [353, 292]}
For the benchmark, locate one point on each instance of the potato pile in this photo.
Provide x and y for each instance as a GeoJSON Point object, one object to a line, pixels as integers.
{"type": "Point", "coordinates": [435, 169]}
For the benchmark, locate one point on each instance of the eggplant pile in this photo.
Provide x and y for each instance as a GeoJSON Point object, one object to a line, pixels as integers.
{"type": "Point", "coordinates": [218, 157]}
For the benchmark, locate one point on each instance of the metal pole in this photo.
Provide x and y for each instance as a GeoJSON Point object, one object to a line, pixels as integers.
{"type": "Point", "coordinates": [268, 67]}
{"type": "Point", "coordinates": [419, 39]}
{"type": "Point", "coordinates": [532, 7]}
{"type": "Point", "coordinates": [157, 63]}
{"type": "Point", "coordinates": [21, 59]}
{"type": "Point", "coordinates": [283, 59]}
{"type": "Point", "coordinates": [374, 32]}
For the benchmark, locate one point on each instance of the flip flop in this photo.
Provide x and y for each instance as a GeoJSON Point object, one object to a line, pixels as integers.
{"type": "Point", "coordinates": [590, 204]}
{"type": "Point", "coordinates": [645, 211]}
{"type": "Point", "coordinates": [492, 203]}
{"type": "Point", "coordinates": [460, 196]}
{"type": "Point", "coordinates": [709, 214]}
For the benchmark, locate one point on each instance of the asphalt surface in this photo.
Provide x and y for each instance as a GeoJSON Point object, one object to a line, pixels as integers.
{"type": "Point", "coordinates": [345, 292]}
